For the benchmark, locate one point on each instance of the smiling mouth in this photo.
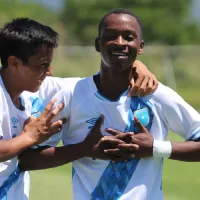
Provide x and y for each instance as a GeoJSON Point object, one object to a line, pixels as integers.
{"type": "Point", "coordinates": [119, 54]}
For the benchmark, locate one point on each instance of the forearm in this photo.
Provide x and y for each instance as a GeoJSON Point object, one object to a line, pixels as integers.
{"type": "Point", "coordinates": [12, 148]}
{"type": "Point", "coordinates": [186, 151]}
{"type": "Point", "coordinates": [49, 157]}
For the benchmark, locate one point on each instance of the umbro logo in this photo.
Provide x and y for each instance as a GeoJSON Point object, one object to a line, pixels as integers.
{"type": "Point", "coordinates": [14, 120]}
{"type": "Point", "coordinates": [91, 122]}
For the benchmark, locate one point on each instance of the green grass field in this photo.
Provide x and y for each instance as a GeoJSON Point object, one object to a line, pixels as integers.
{"type": "Point", "coordinates": [180, 181]}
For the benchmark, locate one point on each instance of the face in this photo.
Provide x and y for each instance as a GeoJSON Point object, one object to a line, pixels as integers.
{"type": "Point", "coordinates": [119, 42]}
{"type": "Point", "coordinates": [32, 74]}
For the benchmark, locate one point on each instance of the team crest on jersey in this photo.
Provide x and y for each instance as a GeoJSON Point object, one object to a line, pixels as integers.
{"type": "Point", "coordinates": [91, 122]}
{"type": "Point", "coordinates": [143, 116]}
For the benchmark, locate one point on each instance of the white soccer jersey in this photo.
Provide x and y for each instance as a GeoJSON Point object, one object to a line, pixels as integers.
{"type": "Point", "coordinates": [14, 185]}
{"type": "Point", "coordinates": [137, 179]}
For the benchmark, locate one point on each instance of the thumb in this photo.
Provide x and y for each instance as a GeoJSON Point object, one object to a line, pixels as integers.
{"type": "Point", "coordinates": [141, 128]}
{"type": "Point", "coordinates": [30, 119]}
{"type": "Point", "coordinates": [95, 132]}
{"type": "Point", "coordinates": [99, 123]}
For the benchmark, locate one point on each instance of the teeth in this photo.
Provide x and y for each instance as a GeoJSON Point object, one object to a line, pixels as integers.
{"type": "Point", "coordinates": [119, 54]}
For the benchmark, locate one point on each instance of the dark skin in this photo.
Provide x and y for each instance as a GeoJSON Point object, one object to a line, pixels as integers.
{"type": "Point", "coordinates": [187, 151]}
{"type": "Point", "coordinates": [94, 145]}
{"type": "Point", "coordinates": [121, 33]}
{"type": "Point", "coordinates": [114, 40]}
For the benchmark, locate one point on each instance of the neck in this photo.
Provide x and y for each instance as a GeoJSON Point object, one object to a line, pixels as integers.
{"type": "Point", "coordinates": [113, 84]}
{"type": "Point", "coordinates": [11, 86]}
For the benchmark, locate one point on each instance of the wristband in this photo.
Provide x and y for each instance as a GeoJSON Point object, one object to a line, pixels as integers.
{"type": "Point", "coordinates": [162, 148]}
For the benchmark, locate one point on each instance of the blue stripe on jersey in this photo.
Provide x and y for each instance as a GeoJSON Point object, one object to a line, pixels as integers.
{"type": "Point", "coordinates": [116, 176]}
{"type": "Point", "coordinates": [7, 184]}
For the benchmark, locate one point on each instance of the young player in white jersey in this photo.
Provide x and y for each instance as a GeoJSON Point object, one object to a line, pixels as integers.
{"type": "Point", "coordinates": [141, 124]}
{"type": "Point", "coordinates": [26, 51]}
{"type": "Point", "coordinates": [25, 64]}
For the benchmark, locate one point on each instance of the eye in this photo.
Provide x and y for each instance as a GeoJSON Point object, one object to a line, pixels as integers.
{"type": "Point", "coordinates": [129, 38]}
{"type": "Point", "coordinates": [44, 65]}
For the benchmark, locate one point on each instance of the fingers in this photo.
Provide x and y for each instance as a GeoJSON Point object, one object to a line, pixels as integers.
{"type": "Point", "coordinates": [126, 137]}
{"type": "Point", "coordinates": [48, 108]}
{"type": "Point", "coordinates": [149, 88]}
{"type": "Point", "coordinates": [155, 84]}
{"type": "Point", "coordinates": [113, 151]}
{"type": "Point", "coordinates": [54, 113]}
{"type": "Point", "coordinates": [143, 86]}
{"type": "Point", "coordinates": [111, 140]}
{"type": "Point", "coordinates": [145, 82]}
{"type": "Point", "coordinates": [132, 89]}
{"type": "Point", "coordinates": [137, 84]}
{"type": "Point", "coordinates": [140, 127]}
{"type": "Point", "coordinates": [130, 147]}
{"type": "Point", "coordinates": [57, 124]}
{"type": "Point", "coordinates": [113, 131]}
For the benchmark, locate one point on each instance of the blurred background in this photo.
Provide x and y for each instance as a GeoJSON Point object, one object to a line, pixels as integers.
{"type": "Point", "coordinates": [171, 30]}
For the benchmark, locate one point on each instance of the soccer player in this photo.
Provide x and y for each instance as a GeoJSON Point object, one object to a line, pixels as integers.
{"type": "Point", "coordinates": [119, 42]}
{"type": "Point", "coordinates": [26, 51]}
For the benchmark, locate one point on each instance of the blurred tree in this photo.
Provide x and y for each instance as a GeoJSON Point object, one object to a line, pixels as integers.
{"type": "Point", "coordinates": [10, 9]}
{"type": "Point", "coordinates": [163, 21]}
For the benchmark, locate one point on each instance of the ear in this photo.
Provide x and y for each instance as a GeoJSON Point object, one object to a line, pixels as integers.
{"type": "Point", "coordinates": [97, 44]}
{"type": "Point", "coordinates": [141, 50]}
{"type": "Point", "coordinates": [14, 62]}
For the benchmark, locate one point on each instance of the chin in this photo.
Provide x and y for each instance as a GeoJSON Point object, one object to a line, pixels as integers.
{"type": "Point", "coordinates": [35, 89]}
{"type": "Point", "coordinates": [120, 66]}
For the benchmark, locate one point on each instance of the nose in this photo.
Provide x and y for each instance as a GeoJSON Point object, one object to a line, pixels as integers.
{"type": "Point", "coordinates": [120, 42]}
{"type": "Point", "coordinates": [49, 71]}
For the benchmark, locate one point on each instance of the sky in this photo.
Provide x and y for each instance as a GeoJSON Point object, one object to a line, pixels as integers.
{"type": "Point", "coordinates": [53, 4]}
{"type": "Point", "coordinates": [196, 9]}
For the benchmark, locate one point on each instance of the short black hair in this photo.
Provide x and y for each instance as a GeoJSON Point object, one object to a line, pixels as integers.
{"type": "Point", "coordinates": [22, 37]}
{"type": "Point", "coordinates": [119, 11]}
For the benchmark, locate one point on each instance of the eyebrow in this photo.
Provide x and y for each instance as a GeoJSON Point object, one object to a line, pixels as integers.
{"type": "Point", "coordinates": [121, 31]}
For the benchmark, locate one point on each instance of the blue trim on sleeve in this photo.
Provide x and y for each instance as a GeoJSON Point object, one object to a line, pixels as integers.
{"type": "Point", "coordinates": [195, 136]}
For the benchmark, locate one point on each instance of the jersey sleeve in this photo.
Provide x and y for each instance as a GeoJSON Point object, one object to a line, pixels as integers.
{"type": "Point", "coordinates": [53, 85]}
{"type": "Point", "coordinates": [63, 96]}
{"type": "Point", "coordinates": [177, 114]}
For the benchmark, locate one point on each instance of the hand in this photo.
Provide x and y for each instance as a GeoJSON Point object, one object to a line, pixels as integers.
{"type": "Point", "coordinates": [143, 139]}
{"type": "Point", "coordinates": [144, 81]}
{"type": "Point", "coordinates": [126, 138]}
{"type": "Point", "coordinates": [96, 145]}
{"type": "Point", "coordinates": [141, 144]}
{"type": "Point", "coordinates": [40, 129]}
